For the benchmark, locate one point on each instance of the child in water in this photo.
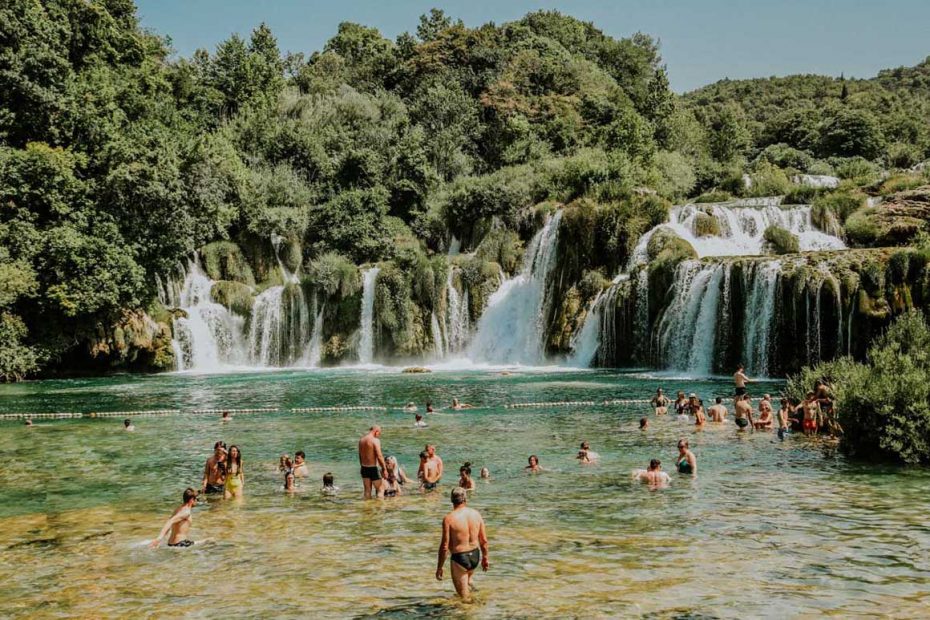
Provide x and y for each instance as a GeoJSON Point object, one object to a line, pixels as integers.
{"type": "Point", "coordinates": [329, 486]}
{"type": "Point", "coordinates": [465, 479]}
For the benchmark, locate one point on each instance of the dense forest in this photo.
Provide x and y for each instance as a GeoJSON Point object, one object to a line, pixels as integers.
{"type": "Point", "coordinates": [118, 162]}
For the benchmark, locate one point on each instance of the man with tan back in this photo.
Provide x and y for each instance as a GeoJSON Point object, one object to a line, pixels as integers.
{"type": "Point", "coordinates": [370, 458]}
{"type": "Point", "coordinates": [465, 538]}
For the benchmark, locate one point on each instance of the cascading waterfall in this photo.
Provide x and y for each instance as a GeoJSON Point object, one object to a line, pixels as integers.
{"type": "Point", "coordinates": [366, 344]}
{"type": "Point", "coordinates": [762, 281]}
{"type": "Point", "coordinates": [315, 348]}
{"type": "Point", "coordinates": [209, 337]}
{"type": "Point", "coordinates": [512, 326]}
{"type": "Point", "coordinates": [456, 319]}
{"type": "Point", "coordinates": [436, 333]}
{"type": "Point", "coordinates": [587, 339]}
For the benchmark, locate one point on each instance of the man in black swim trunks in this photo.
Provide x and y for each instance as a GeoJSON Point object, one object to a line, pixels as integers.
{"type": "Point", "coordinates": [214, 471]}
{"type": "Point", "coordinates": [740, 380]}
{"type": "Point", "coordinates": [463, 534]}
{"type": "Point", "coordinates": [179, 524]}
{"type": "Point", "coordinates": [370, 458]}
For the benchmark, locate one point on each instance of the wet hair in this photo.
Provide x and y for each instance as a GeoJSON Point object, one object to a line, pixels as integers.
{"type": "Point", "coordinates": [740, 367]}
{"type": "Point", "coordinates": [466, 468]}
{"type": "Point", "coordinates": [127, 422]}
{"type": "Point", "coordinates": [654, 463]}
{"type": "Point", "coordinates": [189, 494]}
{"type": "Point", "coordinates": [424, 454]}
{"type": "Point", "coordinates": [719, 400]}
{"type": "Point", "coordinates": [785, 401]}
{"type": "Point", "coordinates": [459, 495]}
{"type": "Point", "coordinates": [584, 445]}
{"type": "Point", "coordinates": [328, 479]}
{"type": "Point", "coordinates": [238, 460]}
{"type": "Point", "coordinates": [288, 475]}
{"type": "Point", "coordinates": [532, 458]}
{"type": "Point", "coordinates": [219, 444]}
{"type": "Point", "coordinates": [682, 443]}
{"type": "Point", "coordinates": [658, 390]}
{"type": "Point", "coordinates": [225, 414]}
{"type": "Point", "coordinates": [419, 417]}
{"type": "Point", "coordinates": [300, 453]}
{"type": "Point", "coordinates": [809, 394]}
{"type": "Point", "coordinates": [485, 470]}
{"type": "Point", "coordinates": [643, 422]}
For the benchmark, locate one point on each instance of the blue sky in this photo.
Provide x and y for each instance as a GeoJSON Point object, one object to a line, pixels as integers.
{"type": "Point", "coordinates": [702, 41]}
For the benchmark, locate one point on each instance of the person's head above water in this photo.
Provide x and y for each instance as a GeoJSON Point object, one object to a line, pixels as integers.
{"type": "Point", "coordinates": [533, 460]}
{"type": "Point", "coordinates": [328, 479]}
{"type": "Point", "coordinates": [391, 461]}
{"type": "Point", "coordinates": [375, 430]}
{"type": "Point", "coordinates": [643, 422]}
{"type": "Point", "coordinates": [655, 464]}
{"type": "Point", "coordinates": [219, 449]}
{"type": "Point", "coordinates": [225, 414]}
{"type": "Point", "coordinates": [485, 472]}
{"type": "Point", "coordinates": [419, 417]}
{"type": "Point", "coordinates": [718, 400]}
{"type": "Point", "coordinates": [127, 422]}
{"type": "Point", "coordinates": [465, 469]}
{"type": "Point", "coordinates": [424, 456]}
{"type": "Point", "coordinates": [682, 444]}
{"type": "Point", "coordinates": [584, 445]}
{"type": "Point", "coordinates": [190, 495]}
{"type": "Point", "coordinates": [459, 496]}
{"type": "Point", "coordinates": [430, 449]}
{"type": "Point", "coordinates": [740, 367]}
{"type": "Point", "coordinates": [658, 390]}
{"type": "Point", "coordinates": [299, 456]}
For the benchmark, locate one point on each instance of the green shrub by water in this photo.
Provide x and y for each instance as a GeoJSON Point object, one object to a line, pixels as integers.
{"type": "Point", "coordinates": [883, 404]}
{"type": "Point", "coordinates": [712, 197]}
{"type": "Point", "coordinates": [781, 240]}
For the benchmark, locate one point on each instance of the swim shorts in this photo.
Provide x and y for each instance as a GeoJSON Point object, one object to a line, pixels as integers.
{"type": "Point", "coordinates": [371, 473]}
{"type": "Point", "coordinates": [740, 391]}
{"type": "Point", "coordinates": [215, 488]}
{"type": "Point", "coordinates": [468, 560]}
{"type": "Point", "coordinates": [429, 486]}
{"type": "Point", "coordinates": [182, 543]}
{"type": "Point", "coordinates": [810, 425]}
{"type": "Point", "coordinates": [742, 422]}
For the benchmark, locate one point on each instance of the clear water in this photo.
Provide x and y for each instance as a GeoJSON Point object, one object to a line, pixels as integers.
{"type": "Point", "coordinates": [767, 529]}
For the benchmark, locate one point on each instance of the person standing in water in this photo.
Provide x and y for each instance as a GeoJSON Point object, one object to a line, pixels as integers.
{"type": "Point", "coordinates": [465, 479]}
{"type": "Point", "coordinates": [465, 537]}
{"type": "Point", "coordinates": [179, 524]}
{"type": "Point", "coordinates": [718, 411]}
{"type": "Point", "coordinates": [430, 471]}
{"type": "Point", "coordinates": [654, 476]}
{"type": "Point", "coordinates": [128, 426]}
{"type": "Point", "coordinates": [235, 477]}
{"type": "Point", "coordinates": [811, 413]}
{"type": "Point", "coordinates": [783, 418]}
{"type": "Point", "coordinates": [300, 465]}
{"type": "Point", "coordinates": [740, 380]}
{"type": "Point", "coordinates": [370, 458]}
{"type": "Point", "coordinates": [533, 467]}
{"type": "Point", "coordinates": [660, 402]}
{"type": "Point", "coordinates": [687, 462]}
{"type": "Point", "coordinates": [214, 471]}
{"type": "Point", "coordinates": [742, 411]}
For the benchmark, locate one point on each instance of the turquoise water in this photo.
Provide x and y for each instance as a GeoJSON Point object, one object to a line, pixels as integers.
{"type": "Point", "coordinates": [766, 529]}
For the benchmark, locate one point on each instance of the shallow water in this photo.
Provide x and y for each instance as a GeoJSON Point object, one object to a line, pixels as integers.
{"type": "Point", "coordinates": [767, 529]}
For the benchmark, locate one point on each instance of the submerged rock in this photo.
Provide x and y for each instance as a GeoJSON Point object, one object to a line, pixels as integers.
{"type": "Point", "coordinates": [416, 370]}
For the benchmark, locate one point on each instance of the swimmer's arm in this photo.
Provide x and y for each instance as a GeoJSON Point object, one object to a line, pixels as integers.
{"type": "Point", "coordinates": [483, 543]}
{"type": "Point", "coordinates": [164, 531]}
{"type": "Point", "coordinates": [443, 549]}
{"type": "Point", "coordinates": [693, 461]}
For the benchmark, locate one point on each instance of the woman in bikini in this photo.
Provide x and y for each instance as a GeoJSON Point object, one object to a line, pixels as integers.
{"type": "Point", "coordinates": [687, 462]}
{"type": "Point", "coordinates": [235, 478]}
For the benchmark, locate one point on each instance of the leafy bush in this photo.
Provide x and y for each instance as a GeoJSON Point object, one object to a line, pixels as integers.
{"type": "Point", "coordinates": [883, 405]}
{"type": "Point", "coordinates": [854, 168]}
{"type": "Point", "coordinates": [780, 240]}
{"type": "Point", "coordinates": [861, 228]}
{"type": "Point", "coordinates": [784, 156]}
{"type": "Point", "coordinates": [706, 225]}
{"type": "Point", "coordinates": [712, 197]}
{"type": "Point", "coordinates": [903, 155]}
{"type": "Point", "coordinates": [900, 183]}
{"type": "Point", "coordinates": [17, 360]}
{"type": "Point", "coordinates": [801, 195]}
{"type": "Point", "coordinates": [334, 274]}
{"type": "Point", "coordinates": [768, 180]}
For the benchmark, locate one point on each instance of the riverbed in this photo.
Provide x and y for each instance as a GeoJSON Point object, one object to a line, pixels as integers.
{"type": "Point", "coordinates": [767, 528]}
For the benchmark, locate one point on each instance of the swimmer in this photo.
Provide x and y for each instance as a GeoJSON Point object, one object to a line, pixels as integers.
{"type": "Point", "coordinates": [654, 476]}
{"type": "Point", "coordinates": [764, 422]}
{"type": "Point", "coordinates": [742, 411]}
{"type": "Point", "coordinates": [740, 380]}
{"type": "Point", "coordinates": [226, 417]}
{"type": "Point", "coordinates": [419, 422]}
{"type": "Point", "coordinates": [29, 422]}
{"type": "Point", "coordinates": [811, 410]}
{"type": "Point", "coordinates": [718, 411]}
{"type": "Point", "coordinates": [533, 467]}
{"type": "Point", "coordinates": [290, 484]}
{"type": "Point", "coordinates": [687, 462]}
{"type": "Point", "coordinates": [128, 426]}
{"type": "Point", "coordinates": [697, 408]}
{"type": "Point", "coordinates": [465, 479]}
{"type": "Point", "coordinates": [179, 523]}
{"type": "Point", "coordinates": [429, 407]}
{"type": "Point", "coordinates": [686, 408]}
{"type": "Point", "coordinates": [485, 473]}
{"type": "Point", "coordinates": [643, 423]}
{"type": "Point", "coordinates": [300, 465]}
{"type": "Point", "coordinates": [430, 471]}
{"type": "Point", "coordinates": [329, 484]}
{"type": "Point", "coordinates": [681, 403]}
{"type": "Point", "coordinates": [660, 402]}
{"type": "Point", "coordinates": [235, 477]}
{"type": "Point", "coordinates": [214, 471]}
{"type": "Point", "coordinates": [585, 454]}
{"type": "Point", "coordinates": [369, 458]}
{"type": "Point", "coordinates": [783, 418]}
{"type": "Point", "coordinates": [410, 407]}
{"type": "Point", "coordinates": [828, 413]}
{"type": "Point", "coordinates": [459, 406]}
{"type": "Point", "coordinates": [394, 477]}
{"type": "Point", "coordinates": [465, 537]}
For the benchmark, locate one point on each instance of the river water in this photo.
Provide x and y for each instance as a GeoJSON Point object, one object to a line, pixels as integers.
{"type": "Point", "coordinates": [767, 529]}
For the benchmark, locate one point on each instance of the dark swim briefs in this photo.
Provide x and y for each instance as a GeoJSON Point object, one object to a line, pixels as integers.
{"type": "Point", "coordinates": [429, 486]}
{"type": "Point", "coordinates": [468, 560]}
{"type": "Point", "coordinates": [740, 391]}
{"type": "Point", "coordinates": [215, 488]}
{"type": "Point", "coordinates": [371, 473]}
{"type": "Point", "coordinates": [182, 543]}
{"type": "Point", "coordinates": [742, 422]}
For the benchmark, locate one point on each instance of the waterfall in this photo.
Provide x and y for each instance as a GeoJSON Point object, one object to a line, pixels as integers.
{"type": "Point", "coordinates": [436, 333]}
{"type": "Point", "coordinates": [315, 348]}
{"type": "Point", "coordinates": [762, 282]}
{"type": "Point", "coordinates": [209, 337]}
{"type": "Point", "coordinates": [366, 344]}
{"type": "Point", "coordinates": [586, 340]}
{"type": "Point", "coordinates": [741, 227]}
{"type": "Point", "coordinates": [512, 327]}
{"type": "Point", "coordinates": [456, 319]}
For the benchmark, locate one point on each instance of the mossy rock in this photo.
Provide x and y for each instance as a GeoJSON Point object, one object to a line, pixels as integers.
{"type": "Point", "coordinates": [234, 296]}
{"type": "Point", "coordinates": [334, 349]}
{"type": "Point", "coordinates": [706, 225]}
{"type": "Point", "coordinates": [781, 241]}
{"type": "Point", "coordinates": [568, 317]}
{"type": "Point", "coordinates": [224, 260]}
{"type": "Point", "coordinates": [503, 247]}
{"type": "Point", "coordinates": [863, 228]}
{"type": "Point", "coordinates": [416, 370]}
{"type": "Point", "coordinates": [666, 246]}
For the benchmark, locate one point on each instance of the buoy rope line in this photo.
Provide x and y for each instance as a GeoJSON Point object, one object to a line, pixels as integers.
{"type": "Point", "coordinates": [171, 412]}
